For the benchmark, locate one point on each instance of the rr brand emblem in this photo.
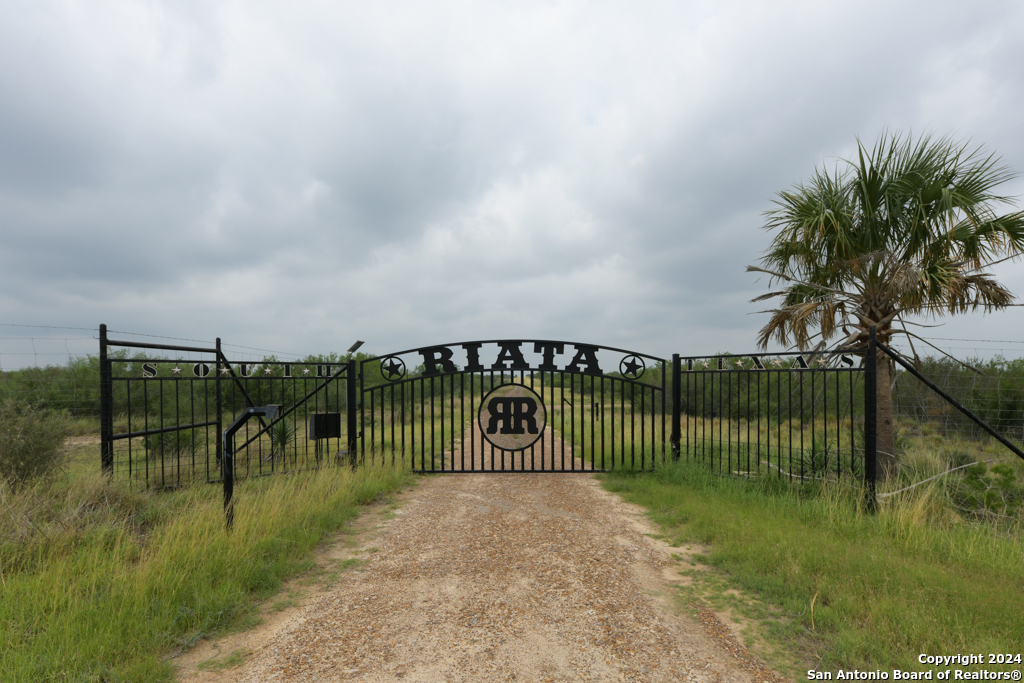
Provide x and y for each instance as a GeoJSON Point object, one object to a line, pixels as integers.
{"type": "Point", "coordinates": [512, 417]}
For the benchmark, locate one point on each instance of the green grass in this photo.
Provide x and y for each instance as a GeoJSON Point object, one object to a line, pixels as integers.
{"type": "Point", "coordinates": [101, 582]}
{"type": "Point", "coordinates": [913, 578]}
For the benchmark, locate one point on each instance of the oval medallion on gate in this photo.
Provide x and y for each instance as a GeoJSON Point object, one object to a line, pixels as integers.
{"type": "Point", "coordinates": [512, 417]}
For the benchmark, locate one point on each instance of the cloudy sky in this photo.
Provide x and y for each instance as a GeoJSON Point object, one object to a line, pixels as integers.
{"type": "Point", "coordinates": [294, 176]}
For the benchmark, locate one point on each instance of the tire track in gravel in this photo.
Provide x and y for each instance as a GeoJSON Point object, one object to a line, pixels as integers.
{"type": "Point", "coordinates": [491, 577]}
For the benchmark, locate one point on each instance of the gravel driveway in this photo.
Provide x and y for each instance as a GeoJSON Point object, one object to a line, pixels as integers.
{"type": "Point", "coordinates": [502, 577]}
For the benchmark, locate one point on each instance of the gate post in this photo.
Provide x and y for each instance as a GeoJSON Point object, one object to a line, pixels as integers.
{"type": "Point", "coordinates": [219, 453]}
{"type": "Point", "coordinates": [676, 409]}
{"type": "Point", "coordinates": [871, 419]}
{"type": "Point", "coordinates": [106, 407]}
{"type": "Point", "coordinates": [350, 409]}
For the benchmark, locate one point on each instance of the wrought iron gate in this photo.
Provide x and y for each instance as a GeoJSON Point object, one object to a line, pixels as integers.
{"type": "Point", "coordinates": [513, 406]}
{"type": "Point", "coordinates": [163, 413]}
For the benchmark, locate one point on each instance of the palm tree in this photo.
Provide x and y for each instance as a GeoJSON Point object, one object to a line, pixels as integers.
{"type": "Point", "coordinates": [905, 230]}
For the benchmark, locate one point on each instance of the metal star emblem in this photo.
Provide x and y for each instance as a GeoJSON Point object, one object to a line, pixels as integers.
{"type": "Point", "coordinates": [266, 371]}
{"type": "Point", "coordinates": [705, 364]}
{"type": "Point", "coordinates": [225, 370]}
{"type": "Point", "coordinates": [739, 363]}
{"type": "Point", "coordinates": [175, 370]}
{"type": "Point", "coordinates": [777, 362]}
{"type": "Point", "coordinates": [394, 369]}
{"type": "Point", "coordinates": [632, 367]}
{"type": "Point", "coordinates": [305, 371]}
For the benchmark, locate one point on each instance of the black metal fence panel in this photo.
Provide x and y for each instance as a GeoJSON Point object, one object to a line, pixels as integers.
{"type": "Point", "coordinates": [798, 416]}
{"type": "Point", "coordinates": [162, 418]}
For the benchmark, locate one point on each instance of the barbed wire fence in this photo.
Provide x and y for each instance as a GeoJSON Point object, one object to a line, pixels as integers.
{"type": "Point", "coordinates": [985, 376]}
{"type": "Point", "coordinates": [57, 368]}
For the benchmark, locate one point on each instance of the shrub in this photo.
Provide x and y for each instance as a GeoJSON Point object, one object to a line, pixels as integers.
{"type": "Point", "coordinates": [31, 442]}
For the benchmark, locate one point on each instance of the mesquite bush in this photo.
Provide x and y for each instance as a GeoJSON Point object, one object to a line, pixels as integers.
{"type": "Point", "coordinates": [31, 442]}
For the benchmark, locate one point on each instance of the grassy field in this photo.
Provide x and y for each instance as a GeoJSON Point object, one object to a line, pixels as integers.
{"type": "Point", "coordinates": [100, 581]}
{"type": "Point", "coordinates": [828, 587]}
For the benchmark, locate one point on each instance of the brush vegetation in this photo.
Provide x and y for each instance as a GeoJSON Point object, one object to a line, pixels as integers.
{"type": "Point", "coordinates": [101, 582]}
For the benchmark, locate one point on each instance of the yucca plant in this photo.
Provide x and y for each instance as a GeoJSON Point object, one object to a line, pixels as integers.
{"type": "Point", "coordinates": [281, 434]}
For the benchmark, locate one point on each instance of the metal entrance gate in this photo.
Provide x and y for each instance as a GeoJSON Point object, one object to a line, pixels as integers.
{"type": "Point", "coordinates": [513, 406]}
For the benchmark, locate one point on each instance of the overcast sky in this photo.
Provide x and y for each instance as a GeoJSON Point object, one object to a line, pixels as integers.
{"type": "Point", "coordinates": [296, 176]}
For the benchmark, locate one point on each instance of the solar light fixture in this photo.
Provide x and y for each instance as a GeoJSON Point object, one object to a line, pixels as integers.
{"type": "Point", "coordinates": [352, 349]}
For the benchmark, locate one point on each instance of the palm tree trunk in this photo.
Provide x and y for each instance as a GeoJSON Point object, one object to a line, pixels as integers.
{"type": "Point", "coordinates": [886, 435]}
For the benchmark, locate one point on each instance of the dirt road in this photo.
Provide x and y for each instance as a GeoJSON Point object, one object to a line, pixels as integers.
{"type": "Point", "coordinates": [499, 577]}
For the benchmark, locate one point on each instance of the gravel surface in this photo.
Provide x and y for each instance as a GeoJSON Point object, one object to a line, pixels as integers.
{"type": "Point", "coordinates": [501, 577]}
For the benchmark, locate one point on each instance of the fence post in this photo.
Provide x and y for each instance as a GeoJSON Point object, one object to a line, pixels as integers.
{"type": "Point", "coordinates": [350, 409]}
{"type": "Point", "coordinates": [106, 407]}
{"type": "Point", "coordinates": [220, 413]}
{"type": "Point", "coordinates": [871, 418]}
{"type": "Point", "coordinates": [676, 408]}
{"type": "Point", "coordinates": [227, 469]}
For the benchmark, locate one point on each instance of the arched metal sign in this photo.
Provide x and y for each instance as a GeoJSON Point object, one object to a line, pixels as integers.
{"type": "Point", "coordinates": [519, 405]}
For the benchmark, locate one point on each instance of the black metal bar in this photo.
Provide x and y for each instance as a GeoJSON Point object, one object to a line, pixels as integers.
{"type": "Point", "coordinates": [219, 397]}
{"type": "Point", "coordinates": [633, 427]}
{"type": "Point", "coordinates": [561, 416]}
{"type": "Point", "coordinates": [177, 451]}
{"type": "Point", "coordinates": [572, 419]}
{"type": "Point", "coordinates": [849, 405]}
{"type": "Point", "coordinates": [550, 417]}
{"type": "Point", "coordinates": [871, 418]}
{"type": "Point", "coordinates": [601, 418]}
{"type": "Point", "coordinates": [228, 480]}
{"type": "Point", "coordinates": [725, 416]}
{"type": "Point", "coordinates": [145, 424]}
{"type": "Point", "coordinates": [351, 399]}
{"type": "Point", "coordinates": [789, 420]}
{"type": "Point", "coordinates": [952, 401]}
{"type": "Point", "coordinates": [106, 407]}
{"type": "Point", "coordinates": [192, 411]}
{"type": "Point", "coordinates": [163, 430]}
{"type": "Point", "coordinates": [451, 414]}
{"type": "Point", "coordinates": [664, 397]}
{"type": "Point", "coordinates": [373, 422]}
{"type": "Point", "coordinates": [161, 347]}
{"type": "Point", "coordinates": [593, 409]}
{"type": "Point", "coordinates": [423, 427]}
{"type": "Point", "coordinates": [128, 398]}
{"type": "Point", "coordinates": [163, 481]}
{"type": "Point", "coordinates": [433, 421]}
{"type": "Point", "coordinates": [611, 413]}
{"type": "Point", "coordinates": [748, 376]}
{"type": "Point", "coordinates": [759, 410]}
{"type": "Point", "coordinates": [410, 454]}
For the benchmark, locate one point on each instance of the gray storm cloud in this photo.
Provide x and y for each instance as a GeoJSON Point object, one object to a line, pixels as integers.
{"type": "Point", "coordinates": [298, 176]}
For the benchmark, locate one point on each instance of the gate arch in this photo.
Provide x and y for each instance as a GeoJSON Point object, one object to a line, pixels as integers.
{"type": "Point", "coordinates": [513, 405]}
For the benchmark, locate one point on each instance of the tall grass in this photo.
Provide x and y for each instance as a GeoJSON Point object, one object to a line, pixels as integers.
{"type": "Point", "coordinates": [913, 578]}
{"type": "Point", "coordinates": [99, 580]}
